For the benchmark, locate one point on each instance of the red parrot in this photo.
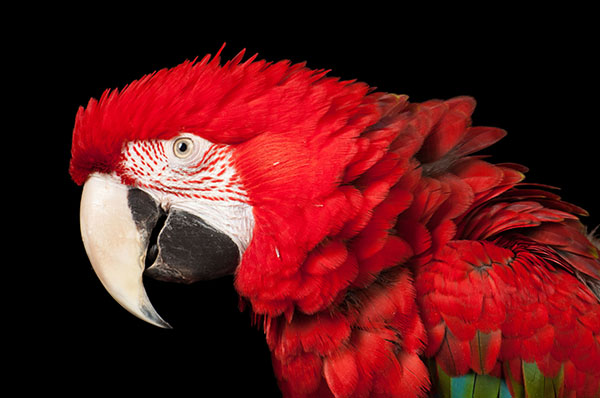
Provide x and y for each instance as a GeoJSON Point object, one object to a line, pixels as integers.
{"type": "Point", "coordinates": [381, 254]}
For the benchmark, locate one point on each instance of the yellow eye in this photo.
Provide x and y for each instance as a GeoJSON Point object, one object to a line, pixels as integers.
{"type": "Point", "coordinates": [183, 147]}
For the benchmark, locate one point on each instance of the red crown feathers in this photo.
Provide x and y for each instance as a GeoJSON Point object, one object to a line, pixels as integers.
{"type": "Point", "coordinates": [224, 104]}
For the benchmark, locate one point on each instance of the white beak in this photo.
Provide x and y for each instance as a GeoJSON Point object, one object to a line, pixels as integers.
{"type": "Point", "coordinates": [115, 246]}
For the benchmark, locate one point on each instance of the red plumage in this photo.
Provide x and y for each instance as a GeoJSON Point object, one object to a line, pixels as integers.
{"type": "Point", "coordinates": [379, 239]}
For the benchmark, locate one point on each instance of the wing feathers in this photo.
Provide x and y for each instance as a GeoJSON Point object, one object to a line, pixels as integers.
{"type": "Point", "coordinates": [495, 264]}
{"type": "Point", "coordinates": [538, 332]}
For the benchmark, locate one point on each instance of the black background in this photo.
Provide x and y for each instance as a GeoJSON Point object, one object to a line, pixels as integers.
{"type": "Point", "coordinates": [533, 74]}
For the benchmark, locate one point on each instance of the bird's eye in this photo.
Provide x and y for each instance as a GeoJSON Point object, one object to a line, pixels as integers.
{"type": "Point", "coordinates": [183, 147]}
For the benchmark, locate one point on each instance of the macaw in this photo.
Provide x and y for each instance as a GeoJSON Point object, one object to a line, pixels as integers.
{"type": "Point", "coordinates": [382, 256]}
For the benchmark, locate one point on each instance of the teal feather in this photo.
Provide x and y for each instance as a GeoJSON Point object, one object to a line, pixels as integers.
{"type": "Point", "coordinates": [504, 391]}
{"type": "Point", "coordinates": [463, 386]}
{"type": "Point", "coordinates": [471, 385]}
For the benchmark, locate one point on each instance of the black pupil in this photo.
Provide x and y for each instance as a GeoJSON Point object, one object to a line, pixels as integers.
{"type": "Point", "coordinates": [182, 147]}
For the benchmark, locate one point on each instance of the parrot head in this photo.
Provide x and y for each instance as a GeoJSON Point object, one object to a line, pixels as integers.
{"type": "Point", "coordinates": [205, 170]}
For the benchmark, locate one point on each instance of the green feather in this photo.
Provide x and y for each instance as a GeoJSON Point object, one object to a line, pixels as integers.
{"type": "Point", "coordinates": [559, 380]}
{"type": "Point", "coordinates": [486, 386]}
{"type": "Point", "coordinates": [539, 386]}
{"type": "Point", "coordinates": [517, 388]}
{"type": "Point", "coordinates": [533, 380]}
{"type": "Point", "coordinates": [443, 382]}
{"type": "Point", "coordinates": [471, 385]}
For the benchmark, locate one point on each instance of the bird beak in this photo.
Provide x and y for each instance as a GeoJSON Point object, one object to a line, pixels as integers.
{"type": "Point", "coordinates": [115, 231]}
{"type": "Point", "coordinates": [124, 228]}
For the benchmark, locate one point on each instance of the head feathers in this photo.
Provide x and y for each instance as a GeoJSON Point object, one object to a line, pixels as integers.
{"type": "Point", "coordinates": [227, 103]}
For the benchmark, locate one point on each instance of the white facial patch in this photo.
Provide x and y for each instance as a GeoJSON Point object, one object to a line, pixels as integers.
{"type": "Point", "coordinates": [193, 174]}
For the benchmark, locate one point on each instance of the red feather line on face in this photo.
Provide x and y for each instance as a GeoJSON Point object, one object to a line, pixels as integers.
{"type": "Point", "coordinates": [354, 194]}
{"type": "Point", "coordinates": [145, 164]}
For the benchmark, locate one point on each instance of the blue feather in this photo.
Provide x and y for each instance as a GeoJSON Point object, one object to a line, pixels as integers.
{"type": "Point", "coordinates": [463, 386]}
{"type": "Point", "coordinates": [504, 392]}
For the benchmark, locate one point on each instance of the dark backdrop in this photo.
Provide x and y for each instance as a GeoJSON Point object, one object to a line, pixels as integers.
{"type": "Point", "coordinates": [530, 76]}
